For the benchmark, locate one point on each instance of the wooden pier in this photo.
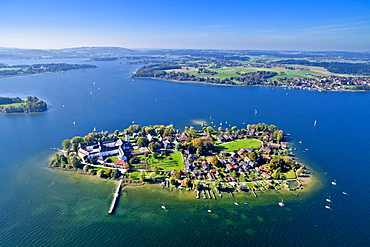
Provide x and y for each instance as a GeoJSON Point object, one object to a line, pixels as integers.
{"type": "Point", "coordinates": [115, 197]}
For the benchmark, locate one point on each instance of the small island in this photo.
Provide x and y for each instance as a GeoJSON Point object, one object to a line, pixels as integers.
{"type": "Point", "coordinates": [17, 105]}
{"type": "Point", "coordinates": [208, 161]}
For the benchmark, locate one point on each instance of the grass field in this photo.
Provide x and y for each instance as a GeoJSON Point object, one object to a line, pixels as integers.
{"type": "Point", "coordinates": [227, 72]}
{"type": "Point", "coordinates": [236, 145]}
{"type": "Point", "coordinates": [171, 162]}
{"type": "Point", "coordinates": [289, 175]}
{"type": "Point", "coordinates": [14, 104]}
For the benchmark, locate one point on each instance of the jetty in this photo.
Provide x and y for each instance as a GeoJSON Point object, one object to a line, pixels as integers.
{"type": "Point", "coordinates": [115, 196]}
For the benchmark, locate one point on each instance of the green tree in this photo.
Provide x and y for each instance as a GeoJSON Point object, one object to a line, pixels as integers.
{"type": "Point", "coordinates": [154, 146]}
{"type": "Point", "coordinates": [74, 161]}
{"type": "Point", "coordinates": [66, 144]}
{"type": "Point", "coordinates": [86, 168]}
{"type": "Point", "coordinates": [142, 141]}
{"type": "Point", "coordinates": [101, 173]}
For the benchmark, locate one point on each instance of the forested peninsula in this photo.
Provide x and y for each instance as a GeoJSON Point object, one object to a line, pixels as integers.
{"type": "Point", "coordinates": [17, 105]}
{"type": "Point", "coordinates": [15, 70]}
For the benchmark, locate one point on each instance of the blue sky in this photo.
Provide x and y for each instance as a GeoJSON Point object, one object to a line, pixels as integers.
{"type": "Point", "coordinates": [342, 25]}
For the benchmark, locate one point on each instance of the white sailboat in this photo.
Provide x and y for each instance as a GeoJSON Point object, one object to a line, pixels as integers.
{"type": "Point", "coordinates": [328, 207]}
{"type": "Point", "coordinates": [328, 200]}
{"type": "Point", "coordinates": [163, 206]}
{"type": "Point", "coordinates": [314, 123]}
{"type": "Point", "coordinates": [334, 183]}
{"type": "Point", "coordinates": [255, 112]}
{"type": "Point", "coordinates": [281, 204]}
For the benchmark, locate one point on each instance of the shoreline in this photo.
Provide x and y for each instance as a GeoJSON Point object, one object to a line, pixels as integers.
{"type": "Point", "coordinates": [240, 85]}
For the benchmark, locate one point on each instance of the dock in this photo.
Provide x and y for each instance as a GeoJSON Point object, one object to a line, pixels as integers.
{"type": "Point", "coordinates": [115, 196]}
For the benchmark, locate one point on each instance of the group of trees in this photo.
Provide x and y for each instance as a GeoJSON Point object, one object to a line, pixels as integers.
{"type": "Point", "coordinates": [66, 161]}
{"type": "Point", "coordinates": [155, 70]}
{"type": "Point", "coordinates": [17, 105]}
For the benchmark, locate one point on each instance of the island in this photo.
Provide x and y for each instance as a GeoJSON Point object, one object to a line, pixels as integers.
{"type": "Point", "coordinates": [16, 70]}
{"type": "Point", "coordinates": [207, 161]}
{"type": "Point", "coordinates": [17, 105]}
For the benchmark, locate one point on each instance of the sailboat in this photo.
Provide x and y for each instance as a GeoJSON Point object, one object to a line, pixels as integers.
{"type": "Point", "coordinates": [163, 206]}
{"type": "Point", "coordinates": [345, 193]}
{"type": "Point", "coordinates": [328, 200]}
{"type": "Point", "coordinates": [255, 112]}
{"type": "Point", "coordinates": [314, 123]}
{"type": "Point", "coordinates": [328, 207]}
{"type": "Point", "coordinates": [281, 204]}
{"type": "Point", "coordinates": [334, 183]}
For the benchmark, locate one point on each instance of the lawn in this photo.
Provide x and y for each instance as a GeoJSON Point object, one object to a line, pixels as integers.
{"type": "Point", "coordinates": [239, 144]}
{"type": "Point", "coordinates": [169, 161]}
{"type": "Point", "coordinates": [14, 104]}
{"type": "Point", "coordinates": [289, 175]}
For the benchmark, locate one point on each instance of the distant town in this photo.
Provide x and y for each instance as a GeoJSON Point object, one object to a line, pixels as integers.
{"type": "Point", "coordinates": [209, 161]}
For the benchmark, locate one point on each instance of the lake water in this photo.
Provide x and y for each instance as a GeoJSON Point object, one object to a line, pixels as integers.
{"type": "Point", "coordinates": [45, 207]}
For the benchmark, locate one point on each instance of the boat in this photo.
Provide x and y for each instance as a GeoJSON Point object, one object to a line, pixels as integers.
{"type": "Point", "coordinates": [209, 211]}
{"type": "Point", "coordinates": [328, 200]}
{"type": "Point", "coordinates": [328, 207]}
{"type": "Point", "coordinates": [236, 203]}
{"type": "Point", "coordinates": [345, 193]}
{"type": "Point", "coordinates": [314, 123]}
{"type": "Point", "coordinates": [74, 123]}
{"type": "Point", "coordinates": [246, 203]}
{"type": "Point", "coordinates": [281, 204]}
{"type": "Point", "coordinates": [94, 129]}
{"type": "Point", "coordinates": [334, 183]}
{"type": "Point", "coordinates": [255, 112]}
{"type": "Point", "coordinates": [163, 206]}
{"type": "Point", "coordinates": [63, 106]}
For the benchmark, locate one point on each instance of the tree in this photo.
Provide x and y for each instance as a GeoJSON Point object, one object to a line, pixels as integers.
{"type": "Point", "coordinates": [142, 176]}
{"type": "Point", "coordinates": [74, 161]}
{"type": "Point", "coordinates": [108, 172]}
{"type": "Point", "coordinates": [134, 160]}
{"type": "Point", "coordinates": [116, 174]}
{"type": "Point", "coordinates": [86, 168]}
{"type": "Point", "coordinates": [176, 174]}
{"type": "Point", "coordinates": [209, 129]}
{"type": "Point", "coordinates": [252, 155]}
{"type": "Point", "coordinates": [152, 175]}
{"type": "Point", "coordinates": [278, 135]}
{"type": "Point", "coordinates": [214, 161]}
{"type": "Point", "coordinates": [154, 146]}
{"type": "Point", "coordinates": [116, 133]}
{"type": "Point", "coordinates": [101, 173]}
{"type": "Point", "coordinates": [188, 182]}
{"type": "Point", "coordinates": [142, 141]}
{"type": "Point", "coordinates": [234, 129]}
{"type": "Point", "coordinates": [66, 144]}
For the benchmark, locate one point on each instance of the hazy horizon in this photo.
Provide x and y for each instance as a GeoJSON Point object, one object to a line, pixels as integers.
{"type": "Point", "coordinates": [340, 25]}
